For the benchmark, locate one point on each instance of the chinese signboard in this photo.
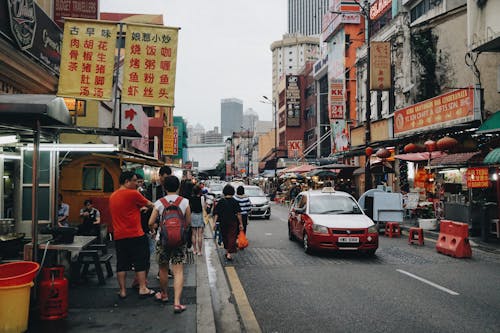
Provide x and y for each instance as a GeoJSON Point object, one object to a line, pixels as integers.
{"type": "Point", "coordinates": [134, 118]}
{"type": "Point", "coordinates": [477, 178]}
{"type": "Point", "coordinates": [379, 7]}
{"type": "Point", "coordinates": [170, 141]}
{"type": "Point", "coordinates": [292, 100]}
{"type": "Point", "coordinates": [88, 60]}
{"type": "Point", "coordinates": [380, 66]}
{"type": "Point", "coordinates": [337, 100]}
{"type": "Point", "coordinates": [74, 8]}
{"type": "Point", "coordinates": [150, 64]}
{"type": "Point", "coordinates": [295, 148]}
{"type": "Point", "coordinates": [455, 107]}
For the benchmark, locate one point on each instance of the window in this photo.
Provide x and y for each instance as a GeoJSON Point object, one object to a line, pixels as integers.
{"type": "Point", "coordinates": [96, 178]}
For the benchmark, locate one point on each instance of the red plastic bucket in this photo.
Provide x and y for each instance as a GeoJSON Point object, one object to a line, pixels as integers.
{"type": "Point", "coordinates": [17, 273]}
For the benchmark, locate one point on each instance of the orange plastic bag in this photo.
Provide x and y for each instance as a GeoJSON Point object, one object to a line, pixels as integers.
{"type": "Point", "coordinates": [242, 240]}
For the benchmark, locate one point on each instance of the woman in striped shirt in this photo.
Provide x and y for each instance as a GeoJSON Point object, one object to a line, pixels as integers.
{"type": "Point", "coordinates": [245, 205]}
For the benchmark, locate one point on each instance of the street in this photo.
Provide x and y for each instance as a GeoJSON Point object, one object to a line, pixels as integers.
{"type": "Point", "coordinates": [403, 288]}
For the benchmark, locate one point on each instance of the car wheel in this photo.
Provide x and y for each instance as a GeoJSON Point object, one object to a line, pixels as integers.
{"type": "Point", "coordinates": [290, 233]}
{"type": "Point", "coordinates": [267, 217]}
{"type": "Point", "coordinates": [305, 244]}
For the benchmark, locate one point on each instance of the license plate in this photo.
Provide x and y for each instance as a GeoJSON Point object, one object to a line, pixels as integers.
{"type": "Point", "coordinates": [348, 239]}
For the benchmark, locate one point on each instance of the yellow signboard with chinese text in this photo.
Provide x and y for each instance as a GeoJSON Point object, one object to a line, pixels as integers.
{"type": "Point", "coordinates": [150, 65]}
{"type": "Point", "coordinates": [170, 140]}
{"type": "Point", "coordinates": [87, 60]}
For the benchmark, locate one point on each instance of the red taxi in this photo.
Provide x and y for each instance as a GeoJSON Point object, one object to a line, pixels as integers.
{"type": "Point", "coordinates": [331, 220]}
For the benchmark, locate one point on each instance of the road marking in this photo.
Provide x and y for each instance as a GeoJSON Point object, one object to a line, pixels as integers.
{"type": "Point", "coordinates": [246, 312]}
{"type": "Point", "coordinates": [451, 292]}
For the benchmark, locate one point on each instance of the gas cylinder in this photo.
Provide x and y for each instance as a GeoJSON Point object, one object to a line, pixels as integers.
{"type": "Point", "coordinates": [53, 294]}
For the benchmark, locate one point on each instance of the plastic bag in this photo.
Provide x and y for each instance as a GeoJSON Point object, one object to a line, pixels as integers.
{"type": "Point", "coordinates": [242, 240]}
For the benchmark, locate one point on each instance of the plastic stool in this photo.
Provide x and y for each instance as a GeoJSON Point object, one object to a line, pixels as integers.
{"type": "Point", "coordinates": [392, 229]}
{"type": "Point", "coordinates": [419, 232]}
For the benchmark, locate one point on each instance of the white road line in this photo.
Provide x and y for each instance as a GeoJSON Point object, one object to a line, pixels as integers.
{"type": "Point", "coordinates": [451, 292]}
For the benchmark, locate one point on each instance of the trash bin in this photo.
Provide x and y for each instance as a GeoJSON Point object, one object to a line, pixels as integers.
{"type": "Point", "coordinates": [16, 280]}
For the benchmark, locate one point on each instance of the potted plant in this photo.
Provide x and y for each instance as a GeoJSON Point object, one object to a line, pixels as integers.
{"type": "Point", "coordinates": [426, 217]}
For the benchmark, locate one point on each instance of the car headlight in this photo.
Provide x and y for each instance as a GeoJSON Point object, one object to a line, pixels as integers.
{"type": "Point", "coordinates": [321, 229]}
{"type": "Point", "coordinates": [372, 229]}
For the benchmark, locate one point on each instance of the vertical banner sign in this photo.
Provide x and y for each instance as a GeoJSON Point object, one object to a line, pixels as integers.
{"type": "Point", "coordinates": [168, 140]}
{"type": "Point", "coordinates": [150, 64]}
{"type": "Point", "coordinates": [337, 100]}
{"type": "Point", "coordinates": [292, 100]}
{"type": "Point", "coordinates": [176, 140]}
{"type": "Point", "coordinates": [380, 66]}
{"type": "Point", "coordinates": [295, 148]}
{"type": "Point", "coordinates": [87, 61]}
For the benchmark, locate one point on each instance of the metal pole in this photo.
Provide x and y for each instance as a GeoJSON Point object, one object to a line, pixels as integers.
{"type": "Point", "coordinates": [35, 174]}
{"type": "Point", "coordinates": [368, 175]}
{"type": "Point", "coordinates": [117, 75]}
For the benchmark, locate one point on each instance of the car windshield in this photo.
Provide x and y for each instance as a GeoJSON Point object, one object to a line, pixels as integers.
{"type": "Point", "coordinates": [254, 192]}
{"type": "Point", "coordinates": [333, 204]}
{"type": "Point", "coordinates": [215, 187]}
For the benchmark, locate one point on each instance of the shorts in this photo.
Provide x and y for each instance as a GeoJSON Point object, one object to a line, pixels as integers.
{"type": "Point", "coordinates": [197, 220]}
{"type": "Point", "coordinates": [170, 256]}
{"type": "Point", "coordinates": [132, 252]}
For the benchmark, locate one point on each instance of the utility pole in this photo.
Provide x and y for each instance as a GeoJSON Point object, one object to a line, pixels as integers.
{"type": "Point", "coordinates": [368, 175]}
{"type": "Point", "coordinates": [273, 103]}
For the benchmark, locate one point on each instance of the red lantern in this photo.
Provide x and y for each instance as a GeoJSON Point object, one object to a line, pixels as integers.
{"type": "Point", "coordinates": [446, 143]}
{"type": "Point", "coordinates": [410, 148]}
{"type": "Point", "coordinates": [420, 148]}
{"type": "Point", "coordinates": [383, 153]}
{"type": "Point", "coordinates": [369, 151]}
{"type": "Point", "coordinates": [430, 145]}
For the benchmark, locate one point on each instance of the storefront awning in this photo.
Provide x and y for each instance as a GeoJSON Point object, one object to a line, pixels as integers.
{"type": "Point", "coordinates": [417, 157]}
{"type": "Point", "coordinates": [454, 159]}
{"type": "Point", "coordinates": [493, 157]}
{"type": "Point", "coordinates": [22, 108]}
{"type": "Point", "coordinates": [491, 125]}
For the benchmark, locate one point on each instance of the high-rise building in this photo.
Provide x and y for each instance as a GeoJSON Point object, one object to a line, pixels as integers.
{"type": "Point", "coordinates": [231, 111]}
{"type": "Point", "coordinates": [250, 119]}
{"type": "Point", "coordinates": [304, 16]}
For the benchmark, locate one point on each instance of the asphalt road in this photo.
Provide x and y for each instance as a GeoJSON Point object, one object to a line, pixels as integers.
{"type": "Point", "coordinates": [402, 289]}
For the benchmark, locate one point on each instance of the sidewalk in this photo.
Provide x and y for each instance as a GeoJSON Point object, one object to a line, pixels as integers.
{"type": "Point", "coordinates": [492, 245]}
{"type": "Point", "coordinates": [97, 308]}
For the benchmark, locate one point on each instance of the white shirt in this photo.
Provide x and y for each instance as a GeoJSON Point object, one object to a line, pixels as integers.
{"type": "Point", "coordinates": [171, 198]}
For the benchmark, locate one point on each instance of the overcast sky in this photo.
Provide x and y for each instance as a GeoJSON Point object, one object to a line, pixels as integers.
{"type": "Point", "coordinates": [224, 51]}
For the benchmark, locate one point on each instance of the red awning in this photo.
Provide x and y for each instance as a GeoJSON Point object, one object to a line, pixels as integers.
{"type": "Point", "coordinates": [454, 159]}
{"type": "Point", "coordinates": [416, 157]}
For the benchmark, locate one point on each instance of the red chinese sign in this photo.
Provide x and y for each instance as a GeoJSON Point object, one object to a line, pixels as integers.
{"type": "Point", "coordinates": [455, 107]}
{"type": "Point", "coordinates": [294, 148]}
{"type": "Point", "coordinates": [150, 65]}
{"type": "Point", "coordinates": [477, 178]}
{"type": "Point", "coordinates": [87, 60]}
{"type": "Point", "coordinates": [337, 100]}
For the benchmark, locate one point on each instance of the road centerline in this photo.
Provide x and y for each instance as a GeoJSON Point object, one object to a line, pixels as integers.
{"type": "Point", "coordinates": [435, 285]}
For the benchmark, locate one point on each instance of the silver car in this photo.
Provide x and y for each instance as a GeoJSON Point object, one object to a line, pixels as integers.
{"type": "Point", "coordinates": [260, 203]}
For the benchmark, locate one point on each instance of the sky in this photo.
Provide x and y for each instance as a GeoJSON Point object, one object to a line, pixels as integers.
{"type": "Point", "coordinates": [223, 52]}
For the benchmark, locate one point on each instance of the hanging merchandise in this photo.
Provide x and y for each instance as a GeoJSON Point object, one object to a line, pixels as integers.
{"type": "Point", "coordinates": [446, 143]}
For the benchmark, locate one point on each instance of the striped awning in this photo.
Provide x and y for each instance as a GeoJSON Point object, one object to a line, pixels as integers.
{"type": "Point", "coordinates": [454, 159]}
{"type": "Point", "coordinates": [493, 157]}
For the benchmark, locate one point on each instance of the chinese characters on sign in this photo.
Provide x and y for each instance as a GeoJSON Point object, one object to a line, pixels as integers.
{"type": "Point", "coordinates": [380, 66]}
{"type": "Point", "coordinates": [292, 100]}
{"type": "Point", "coordinates": [170, 141]}
{"type": "Point", "coordinates": [88, 60]}
{"type": "Point", "coordinates": [477, 178]}
{"type": "Point", "coordinates": [337, 101]}
{"type": "Point", "coordinates": [149, 65]}
{"type": "Point", "coordinates": [455, 107]}
{"type": "Point", "coordinates": [295, 148]}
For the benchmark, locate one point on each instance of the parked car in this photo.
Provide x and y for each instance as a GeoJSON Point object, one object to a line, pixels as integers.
{"type": "Point", "coordinates": [260, 202]}
{"type": "Point", "coordinates": [216, 189]}
{"type": "Point", "coordinates": [331, 220]}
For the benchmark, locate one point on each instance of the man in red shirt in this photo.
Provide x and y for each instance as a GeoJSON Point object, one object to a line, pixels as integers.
{"type": "Point", "coordinates": [132, 247]}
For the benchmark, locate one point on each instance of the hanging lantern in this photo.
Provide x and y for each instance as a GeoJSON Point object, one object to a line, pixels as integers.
{"type": "Point", "coordinates": [419, 148]}
{"type": "Point", "coordinates": [369, 151]}
{"type": "Point", "coordinates": [446, 143]}
{"type": "Point", "coordinates": [410, 148]}
{"type": "Point", "coordinates": [383, 153]}
{"type": "Point", "coordinates": [430, 145]}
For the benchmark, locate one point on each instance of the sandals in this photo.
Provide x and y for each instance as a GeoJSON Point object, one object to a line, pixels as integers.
{"type": "Point", "coordinates": [228, 257]}
{"type": "Point", "coordinates": [178, 308]}
{"type": "Point", "coordinates": [148, 294]}
{"type": "Point", "coordinates": [120, 296]}
{"type": "Point", "coordinates": [161, 297]}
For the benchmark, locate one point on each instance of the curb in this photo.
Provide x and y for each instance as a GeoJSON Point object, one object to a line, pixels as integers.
{"type": "Point", "coordinates": [205, 321]}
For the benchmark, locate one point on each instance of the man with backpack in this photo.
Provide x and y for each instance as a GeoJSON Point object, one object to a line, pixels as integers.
{"type": "Point", "coordinates": [171, 218]}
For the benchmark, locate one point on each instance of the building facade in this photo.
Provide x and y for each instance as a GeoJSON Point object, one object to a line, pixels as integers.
{"type": "Point", "coordinates": [304, 16]}
{"type": "Point", "coordinates": [231, 111]}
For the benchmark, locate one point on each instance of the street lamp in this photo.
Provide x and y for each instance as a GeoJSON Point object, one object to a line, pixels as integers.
{"type": "Point", "coordinates": [365, 11]}
{"type": "Point", "coordinates": [275, 135]}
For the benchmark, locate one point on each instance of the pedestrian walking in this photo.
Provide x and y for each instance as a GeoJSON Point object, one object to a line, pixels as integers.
{"type": "Point", "coordinates": [132, 248]}
{"type": "Point", "coordinates": [173, 256]}
{"type": "Point", "coordinates": [197, 205]}
{"type": "Point", "coordinates": [228, 212]}
{"type": "Point", "coordinates": [245, 205]}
